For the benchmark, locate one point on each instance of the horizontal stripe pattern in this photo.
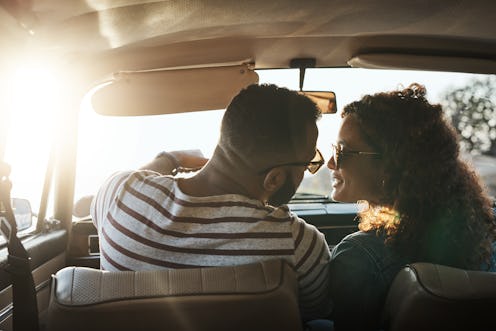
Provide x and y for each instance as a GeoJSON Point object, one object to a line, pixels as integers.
{"type": "Point", "coordinates": [146, 222]}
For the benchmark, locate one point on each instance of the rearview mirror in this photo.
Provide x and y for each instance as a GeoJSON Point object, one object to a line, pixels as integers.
{"type": "Point", "coordinates": [326, 101]}
{"type": "Point", "coordinates": [23, 213]}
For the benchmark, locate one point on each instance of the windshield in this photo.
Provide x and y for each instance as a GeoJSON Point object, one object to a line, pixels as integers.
{"type": "Point", "coordinates": [108, 144]}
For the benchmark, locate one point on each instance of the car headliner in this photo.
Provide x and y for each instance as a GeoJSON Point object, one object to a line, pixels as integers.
{"type": "Point", "coordinates": [267, 33]}
{"type": "Point", "coordinates": [95, 39]}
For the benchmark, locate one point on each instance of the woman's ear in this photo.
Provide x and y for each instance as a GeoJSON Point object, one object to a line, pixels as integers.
{"type": "Point", "coordinates": [274, 179]}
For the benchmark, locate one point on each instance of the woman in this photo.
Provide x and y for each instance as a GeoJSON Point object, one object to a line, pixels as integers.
{"type": "Point", "coordinates": [398, 156]}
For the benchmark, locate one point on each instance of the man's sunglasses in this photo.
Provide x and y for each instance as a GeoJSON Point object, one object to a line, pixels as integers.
{"type": "Point", "coordinates": [338, 154]}
{"type": "Point", "coordinates": [313, 166]}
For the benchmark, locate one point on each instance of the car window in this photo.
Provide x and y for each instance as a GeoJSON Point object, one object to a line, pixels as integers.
{"type": "Point", "coordinates": [108, 144]}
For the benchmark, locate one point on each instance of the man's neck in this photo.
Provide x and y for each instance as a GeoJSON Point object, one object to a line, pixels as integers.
{"type": "Point", "coordinates": [209, 182]}
{"type": "Point", "coordinates": [212, 181]}
{"type": "Point", "coordinates": [223, 175]}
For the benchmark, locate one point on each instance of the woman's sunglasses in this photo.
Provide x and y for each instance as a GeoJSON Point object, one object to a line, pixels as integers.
{"type": "Point", "coordinates": [338, 154]}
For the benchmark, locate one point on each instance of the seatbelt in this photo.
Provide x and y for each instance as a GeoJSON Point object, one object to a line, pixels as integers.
{"type": "Point", "coordinates": [25, 311]}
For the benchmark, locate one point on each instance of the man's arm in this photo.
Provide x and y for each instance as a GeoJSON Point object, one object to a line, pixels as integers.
{"type": "Point", "coordinates": [169, 163]}
{"type": "Point", "coordinates": [164, 163]}
{"type": "Point", "coordinates": [312, 266]}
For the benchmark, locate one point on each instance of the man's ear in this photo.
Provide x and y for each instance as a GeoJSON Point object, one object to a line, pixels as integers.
{"type": "Point", "coordinates": [274, 179]}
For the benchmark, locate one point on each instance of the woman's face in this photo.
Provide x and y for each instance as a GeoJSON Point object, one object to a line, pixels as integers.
{"type": "Point", "coordinates": [359, 177]}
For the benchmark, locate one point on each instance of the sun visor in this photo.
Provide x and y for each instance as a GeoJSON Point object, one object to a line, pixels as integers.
{"type": "Point", "coordinates": [423, 62]}
{"type": "Point", "coordinates": [168, 91]}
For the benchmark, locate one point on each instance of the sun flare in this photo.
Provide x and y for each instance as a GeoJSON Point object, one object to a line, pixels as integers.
{"type": "Point", "coordinates": [32, 118]}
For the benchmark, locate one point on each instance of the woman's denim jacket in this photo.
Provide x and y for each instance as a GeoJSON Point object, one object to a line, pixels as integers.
{"type": "Point", "coordinates": [361, 270]}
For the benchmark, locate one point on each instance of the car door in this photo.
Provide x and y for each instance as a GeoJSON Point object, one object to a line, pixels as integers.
{"type": "Point", "coordinates": [45, 243]}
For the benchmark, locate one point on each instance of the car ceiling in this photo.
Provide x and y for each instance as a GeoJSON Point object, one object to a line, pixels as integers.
{"type": "Point", "coordinates": [96, 40]}
{"type": "Point", "coordinates": [267, 33]}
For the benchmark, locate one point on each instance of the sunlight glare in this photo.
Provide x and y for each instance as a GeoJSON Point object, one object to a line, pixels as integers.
{"type": "Point", "coordinates": [32, 119]}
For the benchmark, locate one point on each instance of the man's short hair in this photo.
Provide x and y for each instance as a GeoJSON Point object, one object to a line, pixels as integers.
{"type": "Point", "coordinates": [267, 122]}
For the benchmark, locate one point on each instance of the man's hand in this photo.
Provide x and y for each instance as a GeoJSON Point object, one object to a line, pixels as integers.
{"type": "Point", "coordinates": [170, 163]}
{"type": "Point", "coordinates": [192, 158]}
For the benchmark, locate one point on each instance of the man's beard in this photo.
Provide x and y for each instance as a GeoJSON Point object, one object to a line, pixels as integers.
{"type": "Point", "coordinates": [283, 194]}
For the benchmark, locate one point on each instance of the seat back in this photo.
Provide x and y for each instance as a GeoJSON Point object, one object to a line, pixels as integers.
{"type": "Point", "coordinates": [259, 296]}
{"type": "Point", "coordinates": [426, 296]}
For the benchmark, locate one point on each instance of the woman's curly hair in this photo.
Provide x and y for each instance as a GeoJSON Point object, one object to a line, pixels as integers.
{"type": "Point", "coordinates": [434, 207]}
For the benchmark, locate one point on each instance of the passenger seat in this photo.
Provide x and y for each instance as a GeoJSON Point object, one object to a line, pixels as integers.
{"type": "Point", "coordinates": [426, 296]}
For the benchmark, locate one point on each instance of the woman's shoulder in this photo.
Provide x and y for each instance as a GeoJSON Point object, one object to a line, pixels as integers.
{"type": "Point", "coordinates": [367, 253]}
{"type": "Point", "coordinates": [359, 242]}
{"type": "Point", "coordinates": [366, 246]}
{"type": "Point", "coordinates": [362, 238]}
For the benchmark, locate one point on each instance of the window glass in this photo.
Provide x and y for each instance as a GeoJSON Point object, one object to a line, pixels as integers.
{"type": "Point", "coordinates": [107, 144]}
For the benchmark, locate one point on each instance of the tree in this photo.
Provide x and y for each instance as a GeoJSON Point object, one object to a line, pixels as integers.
{"type": "Point", "coordinates": [472, 111]}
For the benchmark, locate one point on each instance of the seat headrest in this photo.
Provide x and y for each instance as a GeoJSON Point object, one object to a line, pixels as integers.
{"type": "Point", "coordinates": [426, 296]}
{"type": "Point", "coordinates": [261, 296]}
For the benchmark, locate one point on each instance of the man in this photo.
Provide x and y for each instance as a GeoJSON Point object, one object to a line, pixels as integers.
{"type": "Point", "coordinates": [231, 212]}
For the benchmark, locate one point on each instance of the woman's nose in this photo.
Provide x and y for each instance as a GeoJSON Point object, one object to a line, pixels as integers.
{"type": "Point", "coordinates": [331, 164]}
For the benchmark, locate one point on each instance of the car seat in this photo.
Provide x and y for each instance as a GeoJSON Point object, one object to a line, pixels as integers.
{"type": "Point", "coordinates": [425, 296]}
{"type": "Point", "coordinates": [259, 296]}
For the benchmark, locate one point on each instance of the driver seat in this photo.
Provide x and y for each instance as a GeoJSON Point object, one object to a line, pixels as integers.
{"type": "Point", "coordinates": [258, 296]}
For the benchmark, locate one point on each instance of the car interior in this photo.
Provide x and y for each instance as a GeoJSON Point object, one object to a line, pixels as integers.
{"type": "Point", "coordinates": [91, 86]}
